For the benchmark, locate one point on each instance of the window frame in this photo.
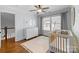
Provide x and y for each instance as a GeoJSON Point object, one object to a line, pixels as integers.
{"type": "Point", "coordinates": [50, 22]}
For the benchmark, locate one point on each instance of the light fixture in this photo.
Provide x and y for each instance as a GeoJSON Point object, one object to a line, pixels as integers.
{"type": "Point", "coordinates": [39, 10]}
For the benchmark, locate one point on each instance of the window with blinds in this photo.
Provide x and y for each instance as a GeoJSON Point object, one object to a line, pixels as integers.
{"type": "Point", "coordinates": [55, 23]}
{"type": "Point", "coordinates": [46, 23]}
{"type": "Point", "coordinates": [51, 23]}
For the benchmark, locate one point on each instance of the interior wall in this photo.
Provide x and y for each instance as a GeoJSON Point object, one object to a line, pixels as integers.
{"type": "Point", "coordinates": [21, 16]}
{"type": "Point", "coordinates": [30, 21]}
{"type": "Point", "coordinates": [39, 24]}
{"type": "Point", "coordinates": [7, 19]}
{"type": "Point", "coordinates": [0, 30]}
{"type": "Point", "coordinates": [64, 21]}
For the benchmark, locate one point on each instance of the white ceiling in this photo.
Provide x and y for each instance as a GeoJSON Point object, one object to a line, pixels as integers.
{"type": "Point", "coordinates": [31, 7]}
{"type": "Point", "coordinates": [51, 7]}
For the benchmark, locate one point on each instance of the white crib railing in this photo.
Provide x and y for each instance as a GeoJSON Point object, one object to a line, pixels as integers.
{"type": "Point", "coordinates": [62, 43]}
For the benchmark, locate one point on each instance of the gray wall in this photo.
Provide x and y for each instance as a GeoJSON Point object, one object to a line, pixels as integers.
{"type": "Point", "coordinates": [39, 24]}
{"type": "Point", "coordinates": [64, 21]}
{"type": "Point", "coordinates": [0, 30]}
{"type": "Point", "coordinates": [7, 19]}
{"type": "Point", "coordinates": [21, 18]}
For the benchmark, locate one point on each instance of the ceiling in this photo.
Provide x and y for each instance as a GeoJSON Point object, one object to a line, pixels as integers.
{"type": "Point", "coordinates": [31, 7]}
{"type": "Point", "coordinates": [51, 7]}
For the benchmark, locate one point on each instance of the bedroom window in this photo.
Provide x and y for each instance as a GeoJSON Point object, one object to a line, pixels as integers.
{"type": "Point", "coordinates": [46, 23]}
{"type": "Point", "coordinates": [56, 23]}
{"type": "Point", "coordinates": [51, 23]}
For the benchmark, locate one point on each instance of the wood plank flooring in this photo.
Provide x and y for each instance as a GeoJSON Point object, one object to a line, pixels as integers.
{"type": "Point", "coordinates": [16, 48]}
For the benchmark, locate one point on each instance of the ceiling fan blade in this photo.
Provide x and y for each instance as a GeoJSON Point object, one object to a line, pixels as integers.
{"type": "Point", "coordinates": [46, 8]}
{"type": "Point", "coordinates": [43, 11]}
{"type": "Point", "coordinates": [32, 10]}
{"type": "Point", "coordinates": [38, 6]}
{"type": "Point", "coordinates": [39, 9]}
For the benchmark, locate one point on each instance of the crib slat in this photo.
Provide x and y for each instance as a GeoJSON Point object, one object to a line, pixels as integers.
{"type": "Point", "coordinates": [66, 45]}
{"type": "Point", "coordinates": [63, 44]}
{"type": "Point", "coordinates": [58, 43]}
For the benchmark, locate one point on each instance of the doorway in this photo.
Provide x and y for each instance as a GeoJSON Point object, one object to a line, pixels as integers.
{"type": "Point", "coordinates": [7, 29]}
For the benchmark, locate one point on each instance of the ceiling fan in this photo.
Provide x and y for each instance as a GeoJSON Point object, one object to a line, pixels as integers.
{"type": "Point", "coordinates": [39, 9]}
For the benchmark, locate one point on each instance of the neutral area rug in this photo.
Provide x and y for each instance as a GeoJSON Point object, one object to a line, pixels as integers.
{"type": "Point", "coordinates": [37, 45]}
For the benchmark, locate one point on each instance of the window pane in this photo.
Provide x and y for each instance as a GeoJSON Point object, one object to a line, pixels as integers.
{"type": "Point", "coordinates": [57, 27]}
{"type": "Point", "coordinates": [56, 19]}
{"type": "Point", "coordinates": [56, 23]}
{"type": "Point", "coordinates": [52, 26]}
{"type": "Point", "coordinates": [46, 23]}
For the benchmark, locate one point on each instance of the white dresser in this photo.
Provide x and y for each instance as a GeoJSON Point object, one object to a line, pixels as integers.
{"type": "Point", "coordinates": [31, 32]}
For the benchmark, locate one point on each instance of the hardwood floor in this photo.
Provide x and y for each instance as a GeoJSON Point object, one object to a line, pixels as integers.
{"type": "Point", "coordinates": [16, 47]}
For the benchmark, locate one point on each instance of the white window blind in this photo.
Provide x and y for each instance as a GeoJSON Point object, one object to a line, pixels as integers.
{"type": "Point", "coordinates": [51, 23]}
{"type": "Point", "coordinates": [56, 23]}
{"type": "Point", "coordinates": [46, 23]}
